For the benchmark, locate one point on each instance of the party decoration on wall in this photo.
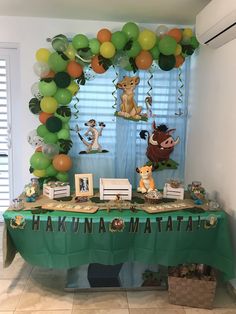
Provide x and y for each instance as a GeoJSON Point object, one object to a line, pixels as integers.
{"type": "Point", "coordinates": [146, 183]}
{"type": "Point", "coordinates": [128, 108]}
{"type": "Point", "coordinates": [160, 145]}
{"type": "Point", "coordinates": [73, 61]}
{"type": "Point", "coordinates": [92, 143]}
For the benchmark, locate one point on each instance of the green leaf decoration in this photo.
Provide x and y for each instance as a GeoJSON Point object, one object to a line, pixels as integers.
{"type": "Point", "coordinates": [34, 105]}
{"type": "Point", "coordinates": [31, 169]}
{"type": "Point", "coordinates": [106, 63]}
{"type": "Point", "coordinates": [81, 80]}
{"type": "Point", "coordinates": [133, 64]}
{"type": "Point", "coordinates": [46, 79]}
{"type": "Point", "coordinates": [162, 165]}
{"type": "Point", "coordinates": [86, 49]}
{"type": "Point", "coordinates": [64, 111]}
{"type": "Point", "coordinates": [128, 45]}
{"type": "Point", "coordinates": [65, 145]}
{"type": "Point", "coordinates": [64, 57]}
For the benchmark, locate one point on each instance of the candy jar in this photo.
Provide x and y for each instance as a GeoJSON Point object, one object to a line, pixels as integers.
{"type": "Point", "coordinates": [35, 184]}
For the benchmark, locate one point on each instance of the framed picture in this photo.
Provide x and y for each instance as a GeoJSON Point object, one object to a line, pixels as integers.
{"type": "Point", "coordinates": [84, 184]}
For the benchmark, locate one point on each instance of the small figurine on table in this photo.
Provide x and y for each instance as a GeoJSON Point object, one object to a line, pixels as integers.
{"type": "Point", "coordinates": [30, 193]}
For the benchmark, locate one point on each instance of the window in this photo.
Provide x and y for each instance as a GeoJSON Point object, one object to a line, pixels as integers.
{"type": "Point", "coordinates": [121, 137]}
{"type": "Point", "coordinates": [4, 128]}
{"type": "Point", "coordinates": [8, 67]}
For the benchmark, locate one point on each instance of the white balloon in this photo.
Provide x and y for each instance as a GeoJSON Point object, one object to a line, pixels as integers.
{"type": "Point", "coordinates": [161, 30]}
{"type": "Point", "coordinates": [34, 140]}
{"type": "Point", "coordinates": [154, 67]}
{"type": "Point", "coordinates": [89, 74]}
{"type": "Point", "coordinates": [35, 91]}
{"type": "Point", "coordinates": [41, 68]}
{"type": "Point", "coordinates": [50, 150]}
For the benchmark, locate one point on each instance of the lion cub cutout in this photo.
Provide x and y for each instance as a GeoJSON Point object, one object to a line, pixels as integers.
{"type": "Point", "coordinates": [146, 183]}
{"type": "Point", "coordinates": [129, 108]}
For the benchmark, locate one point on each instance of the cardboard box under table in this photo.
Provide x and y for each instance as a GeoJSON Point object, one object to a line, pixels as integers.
{"type": "Point", "coordinates": [191, 292]}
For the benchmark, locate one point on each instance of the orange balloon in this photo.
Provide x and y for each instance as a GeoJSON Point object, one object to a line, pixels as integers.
{"type": "Point", "coordinates": [104, 35]}
{"type": "Point", "coordinates": [176, 34]}
{"type": "Point", "coordinates": [98, 68]}
{"type": "Point", "coordinates": [179, 60]}
{"type": "Point", "coordinates": [144, 60]}
{"type": "Point", "coordinates": [74, 69]}
{"type": "Point", "coordinates": [43, 116]}
{"type": "Point", "coordinates": [50, 74]}
{"type": "Point", "coordinates": [62, 162]}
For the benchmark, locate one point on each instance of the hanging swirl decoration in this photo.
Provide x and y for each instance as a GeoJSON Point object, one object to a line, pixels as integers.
{"type": "Point", "coordinates": [114, 83]}
{"type": "Point", "coordinates": [76, 113]}
{"type": "Point", "coordinates": [181, 86]}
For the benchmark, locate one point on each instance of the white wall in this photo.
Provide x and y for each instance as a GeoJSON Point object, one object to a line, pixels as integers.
{"type": "Point", "coordinates": [211, 144]}
{"type": "Point", "coordinates": [30, 34]}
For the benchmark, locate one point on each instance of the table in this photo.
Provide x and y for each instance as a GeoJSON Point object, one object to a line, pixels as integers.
{"type": "Point", "coordinates": [66, 240]}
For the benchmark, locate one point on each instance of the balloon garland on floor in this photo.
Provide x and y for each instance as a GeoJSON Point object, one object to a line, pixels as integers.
{"type": "Point", "coordinates": [73, 62]}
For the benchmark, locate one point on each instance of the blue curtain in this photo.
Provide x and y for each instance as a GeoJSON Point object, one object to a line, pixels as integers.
{"type": "Point", "coordinates": [121, 137]}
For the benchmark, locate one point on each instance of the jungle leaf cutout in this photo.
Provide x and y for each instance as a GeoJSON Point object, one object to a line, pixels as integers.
{"type": "Point", "coordinates": [34, 105]}
{"type": "Point", "coordinates": [65, 145]}
{"type": "Point", "coordinates": [64, 111]}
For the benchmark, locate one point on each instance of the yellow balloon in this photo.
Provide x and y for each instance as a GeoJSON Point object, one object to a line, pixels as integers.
{"type": "Point", "coordinates": [42, 55]}
{"type": "Point", "coordinates": [187, 32]}
{"type": "Point", "coordinates": [147, 39]}
{"type": "Point", "coordinates": [70, 52]}
{"type": "Point", "coordinates": [178, 50]}
{"type": "Point", "coordinates": [107, 49]}
{"type": "Point", "coordinates": [73, 88]}
{"type": "Point", "coordinates": [48, 104]}
{"type": "Point", "coordinates": [39, 173]}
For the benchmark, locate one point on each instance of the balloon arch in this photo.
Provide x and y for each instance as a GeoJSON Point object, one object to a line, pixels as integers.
{"type": "Point", "coordinates": [71, 62]}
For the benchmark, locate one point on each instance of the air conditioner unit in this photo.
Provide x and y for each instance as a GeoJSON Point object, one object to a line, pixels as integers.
{"type": "Point", "coordinates": [216, 23]}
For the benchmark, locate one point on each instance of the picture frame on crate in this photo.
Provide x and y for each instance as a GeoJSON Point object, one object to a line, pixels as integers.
{"type": "Point", "coordinates": [84, 184]}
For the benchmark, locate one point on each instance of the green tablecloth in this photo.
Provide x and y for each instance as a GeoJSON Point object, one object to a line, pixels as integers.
{"type": "Point", "coordinates": [64, 240]}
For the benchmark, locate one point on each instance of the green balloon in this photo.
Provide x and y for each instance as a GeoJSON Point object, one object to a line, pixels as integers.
{"type": "Point", "coordinates": [47, 88]}
{"type": "Point", "coordinates": [62, 118]}
{"type": "Point", "coordinates": [66, 125]}
{"type": "Point", "coordinates": [39, 162]}
{"type": "Point", "coordinates": [56, 62]}
{"type": "Point", "coordinates": [167, 45]}
{"type": "Point", "coordinates": [129, 67]}
{"type": "Point", "coordinates": [51, 171]}
{"type": "Point", "coordinates": [62, 176]}
{"type": "Point", "coordinates": [194, 42]}
{"type": "Point", "coordinates": [94, 46]}
{"type": "Point", "coordinates": [119, 40]}
{"type": "Point", "coordinates": [53, 124]}
{"type": "Point", "coordinates": [131, 30]}
{"type": "Point", "coordinates": [155, 52]}
{"type": "Point", "coordinates": [63, 134]}
{"type": "Point", "coordinates": [80, 41]}
{"type": "Point", "coordinates": [63, 96]}
{"type": "Point", "coordinates": [60, 42]}
{"type": "Point", "coordinates": [166, 63]}
{"type": "Point", "coordinates": [42, 130]}
{"type": "Point", "coordinates": [134, 50]}
{"type": "Point", "coordinates": [62, 79]}
{"type": "Point", "coordinates": [50, 138]}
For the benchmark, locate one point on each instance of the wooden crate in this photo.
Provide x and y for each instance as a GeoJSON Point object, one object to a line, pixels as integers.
{"type": "Point", "coordinates": [111, 189]}
{"type": "Point", "coordinates": [56, 191]}
{"type": "Point", "coordinates": [169, 192]}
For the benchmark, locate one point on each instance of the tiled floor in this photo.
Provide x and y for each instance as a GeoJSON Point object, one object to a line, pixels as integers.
{"type": "Point", "coordinates": [25, 289]}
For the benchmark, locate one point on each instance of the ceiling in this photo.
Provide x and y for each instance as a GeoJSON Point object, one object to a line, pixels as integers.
{"type": "Point", "coordinates": [142, 11]}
